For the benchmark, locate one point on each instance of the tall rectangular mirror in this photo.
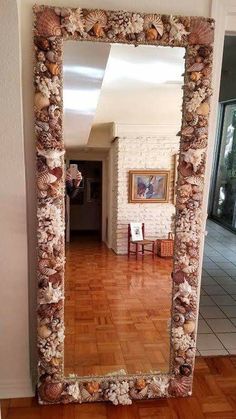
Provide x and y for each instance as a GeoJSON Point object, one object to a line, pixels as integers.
{"type": "Point", "coordinates": [121, 123]}
{"type": "Point", "coordinates": [122, 111]}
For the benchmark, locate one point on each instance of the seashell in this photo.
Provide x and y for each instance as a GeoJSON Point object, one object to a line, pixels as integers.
{"type": "Point", "coordinates": [207, 72]}
{"type": "Point", "coordinates": [41, 101]}
{"type": "Point", "coordinates": [203, 109]}
{"type": "Point", "coordinates": [178, 277]}
{"type": "Point", "coordinates": [195, 76]}
{"type": "Point", "coordinates": [51, 392]}
{"type": "Point", "coordinates": [195, 180]}
{"type": "Point", "coordinates": [45, 179]}
{"type": "Point", "coordinates": [98, 30]}
{"type": "Point", "coordinates": [186, 169]}
{"type": "Point", "coordinates": [42, 43]}
{"type": "Point", "coordinates": [180, 386]}
{"type": "Point", "coordinates": [51, 56]}
{"type": "Point", "coordinates": [57, 171]}
{"type": "Point", "coordinates": [48, 23]}
{"type": "Point", "coordinates": [153, 21]}
{"type": "Point", "coordinates": [151, 34]}
{"type": "Point", "coordinates": [41, 56]}
{"type": "Point", "coordinates": [191, 268]}
{"type": "Point", "coordinates": [187, 131]}
{"type": "Point", "coordinates": [92, 387]}
{"type": "Point", "coordinates": [44, 267]}
{"type": "Point", "coordinates": [139, 395]}
{"type": "Point", "coordinates": [56, 361]}
{"type": "Point", "coordinates": [201, 33]}
{"type": "Point", "coordinates": [185, 369]}
{"type": "Point", "coordinates": [195, 157]}
{"type": "Point", "coordinates": [189, 327]}
{"type": "Point", "coordinates": [94, 17]}
{"type": "Point", "coordinates": [140, 383]}
{"type": "Point", "coordinates": [87, 397]}
{"type": "Point", "coordinates": [44, 332]}
{"type": "Point", "coordinates": [53, 68]}
{"type": "Point", "coordinates": [178, 319]}
{"type": "Point", "coordinates": [195, 67]}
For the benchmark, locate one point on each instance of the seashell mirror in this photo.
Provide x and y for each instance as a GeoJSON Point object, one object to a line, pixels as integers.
{"type": "Point", "coordinates": [121, 137]}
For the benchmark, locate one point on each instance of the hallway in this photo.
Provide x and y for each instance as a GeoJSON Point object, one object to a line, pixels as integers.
{"type": "Point", "coordinates": [217, 319]}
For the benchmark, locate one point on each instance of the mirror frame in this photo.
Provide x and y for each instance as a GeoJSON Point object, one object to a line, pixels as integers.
{"type": "Point", "coordinates": [52, 26]}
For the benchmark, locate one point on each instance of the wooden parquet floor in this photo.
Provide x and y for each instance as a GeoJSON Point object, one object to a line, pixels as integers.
{"type": "Point", "coordinates": [214, 396]}
{"type": "Point", "coordinates": [116, 311]}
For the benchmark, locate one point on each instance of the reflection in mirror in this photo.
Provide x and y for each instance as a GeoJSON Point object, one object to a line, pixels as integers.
{"type": "Point", "coordinates": [122, 110]}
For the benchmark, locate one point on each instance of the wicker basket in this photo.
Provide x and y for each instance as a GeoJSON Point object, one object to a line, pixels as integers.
{"type": "Point", "coordinates": [165, 247]}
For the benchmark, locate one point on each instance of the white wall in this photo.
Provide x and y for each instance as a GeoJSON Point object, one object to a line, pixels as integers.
{"type": "Point", "coordinates": [154, 152]}
{"type": "Point", "coordinates": [14, 352]}
{"type": "Point", "coordinates": [14, 341]}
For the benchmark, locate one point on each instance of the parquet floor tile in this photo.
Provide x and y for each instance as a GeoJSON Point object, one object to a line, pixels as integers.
{"type": "Point", "coordinates": [214, 396]}
{"type": "Point", "coordinates": [116, 311]}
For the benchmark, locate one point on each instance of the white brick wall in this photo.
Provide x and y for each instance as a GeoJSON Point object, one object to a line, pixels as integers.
{"type": "Point", "coordinates": [141, 152]}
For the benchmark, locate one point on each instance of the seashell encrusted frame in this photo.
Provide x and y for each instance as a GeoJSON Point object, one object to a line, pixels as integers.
{"type": "Point", "coordinates": [53, 26]}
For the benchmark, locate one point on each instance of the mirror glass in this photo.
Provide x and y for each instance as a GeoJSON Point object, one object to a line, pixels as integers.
{"type": "Point", "coordinates": [122, 111]}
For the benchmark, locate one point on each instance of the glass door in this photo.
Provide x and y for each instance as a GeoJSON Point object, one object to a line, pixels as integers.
{"type": "Point", "coordinates": [224, 196]}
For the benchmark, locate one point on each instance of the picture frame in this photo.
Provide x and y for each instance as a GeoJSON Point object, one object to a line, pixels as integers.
{"type": "Point", "coordinates": [149, 186]}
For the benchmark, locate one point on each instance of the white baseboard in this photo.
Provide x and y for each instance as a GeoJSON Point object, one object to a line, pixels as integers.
{"type": "Point", "coordinates": [16, 388]}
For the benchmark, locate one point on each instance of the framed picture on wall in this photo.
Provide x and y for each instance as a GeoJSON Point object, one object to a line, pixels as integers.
{"type": "Point", "coordinates": [149, 186]}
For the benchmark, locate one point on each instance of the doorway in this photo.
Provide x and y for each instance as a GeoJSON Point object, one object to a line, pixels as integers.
{"type": "Point", "coordinates": [85, 209]}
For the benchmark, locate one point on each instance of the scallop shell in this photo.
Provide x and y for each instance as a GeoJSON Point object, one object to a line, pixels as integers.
{"type": "Point", "coordinates": [45, 179]}
{"type": "Point", "coordinates": [41, 101]}
{"type": "Point", "coordinates": [203, 109]}
{"type": "Point", "coordinates": [94, 17]}
{"type": "Point", "coordinates": [44, 267]}
{"type": "Point", "coordinates": [201, 32]}
{"type": "Point", "coordinates": [155, 21]}
{"type": "Point", "coordinates": [51, 392]}
{"type": "Point", "coordinates": [196, 67]}
{"type": "Point", "coordinates": [48, 23]}
{"type": "Point", "coordinates": [180, 386]}
{"type": "Point", "coordinates": [139, 395]}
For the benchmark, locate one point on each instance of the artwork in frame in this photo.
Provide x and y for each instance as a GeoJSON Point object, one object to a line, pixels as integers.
{"type": "Point", "coordinates": [146, 186]}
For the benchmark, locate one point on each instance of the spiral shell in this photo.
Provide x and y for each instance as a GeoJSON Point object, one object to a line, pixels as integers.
{"type": "Point", "coordinates": [189, 327]}
{"type": "Point", "coordinates": [180, 386]}
{"type": "Point", "coordinates": [53, 68]}
{"type": "Point", "coordinates": [153, 21]}
{"type": "Point", "coordinates": [203, 109]}
{"type": "Point", "coordinates": [186, 169]}
{"type": "Point", "coordinates": [48, 23]}
{"type": "Point", "coordinates": [200, 32]}
{"type": "Point", "coordinates": [51, 392]}
{"type": "Point", "coordinates": [42, 43]}
{"type": "Point", "coordinates": [178, 319]}
{"type": "Point", "coordinates": [139, 395]}
{"type": "Point", "coordinates": [44, 267]}
{"type": "Point", "coordinates": [95, 17]}
{"type": "Point", "coordinates": [185, 369]}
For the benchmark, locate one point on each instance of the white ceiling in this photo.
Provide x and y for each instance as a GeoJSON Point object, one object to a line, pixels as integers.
{"type": "Point", "coordinates": [121, 84]}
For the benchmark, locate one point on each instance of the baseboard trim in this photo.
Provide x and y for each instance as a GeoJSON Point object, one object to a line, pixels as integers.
{"type": "Point", "coordinates": [16, 388]}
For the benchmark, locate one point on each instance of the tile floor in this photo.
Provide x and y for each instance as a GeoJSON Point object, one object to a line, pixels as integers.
{"type": "Point", "coordinates": [217, 319]}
